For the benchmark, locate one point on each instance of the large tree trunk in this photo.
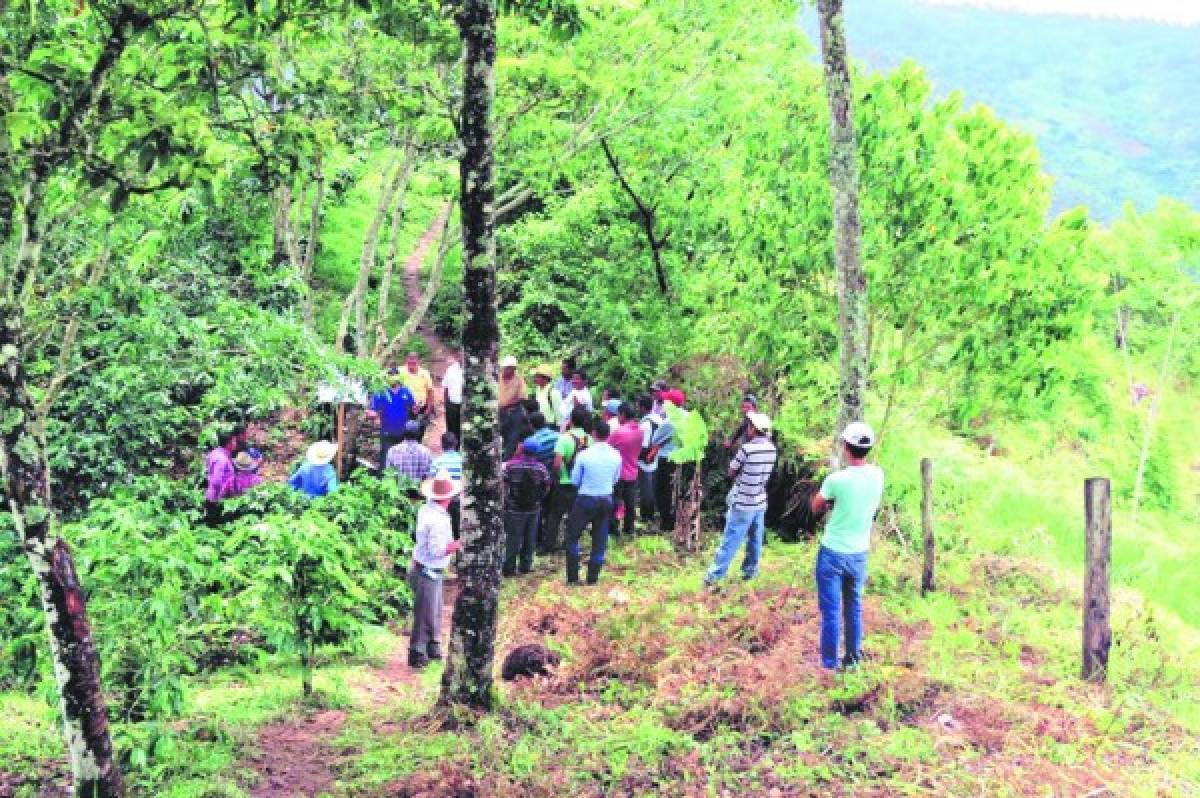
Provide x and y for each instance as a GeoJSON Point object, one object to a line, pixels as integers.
{"type": "Point", "coordinates": [467, 680]}
{"type": "Point", "coordinates": [27, 498]}
{"type": "Point", "coordinates": [843, 177]}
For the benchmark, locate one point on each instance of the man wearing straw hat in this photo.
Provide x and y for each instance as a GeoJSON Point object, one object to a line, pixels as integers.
{"type": "Point", "coordinates": [431, 555]}
{"type": "Point", "coordinates": [543, 391]}
{"type": "Point", "coordinates": [316, 476]}
{"type": "Point", "coordinates": [510, 398]}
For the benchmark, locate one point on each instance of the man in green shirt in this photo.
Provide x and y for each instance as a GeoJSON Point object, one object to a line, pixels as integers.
{"type": "Point", "coordinates": [573, 439]}
{"type": "Point", "coordinates": [854, 493]}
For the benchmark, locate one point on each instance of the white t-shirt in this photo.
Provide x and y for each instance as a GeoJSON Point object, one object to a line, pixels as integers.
{"type": "Point", "coordinates": [576, 398]}
{"type": "Point", "coordinates": [452, 381]}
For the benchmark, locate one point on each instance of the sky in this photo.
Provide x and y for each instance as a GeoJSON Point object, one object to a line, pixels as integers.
{"type": "Point", "coordinates": [1178, 12]}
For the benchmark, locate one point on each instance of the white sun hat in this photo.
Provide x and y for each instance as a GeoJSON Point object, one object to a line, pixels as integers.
{"type": "Point", "coordinates": [509, 362]}
{"type": "Point", "coordinates": [321, 452]}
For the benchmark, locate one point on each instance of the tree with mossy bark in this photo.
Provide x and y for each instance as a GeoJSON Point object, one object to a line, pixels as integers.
{"type": "Point", "coordinates": [467, 679]}
{"type": "Point", "coordinates": [847, 226]}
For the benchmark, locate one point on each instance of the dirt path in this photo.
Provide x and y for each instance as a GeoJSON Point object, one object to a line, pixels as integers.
{"type": "Point", "coordinates": [295, 758]}
{"type": "Point", "coordinates": [413, 289]}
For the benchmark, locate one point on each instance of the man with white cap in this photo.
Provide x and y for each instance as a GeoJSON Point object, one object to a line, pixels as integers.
{"type": "Point", "coordinates": [510, 398]}
{"type": "Point", "coordinates": [747, 502]}
{"type": "Point", "coordinates": [854, 492]}
{"type": "Point", "coordinates": [431, 555]}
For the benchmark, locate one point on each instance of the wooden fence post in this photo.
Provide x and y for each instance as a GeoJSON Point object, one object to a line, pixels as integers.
{"type": "Point", "coordinates": [927, 581]}
{"type": "Point", "coordinates": [1097, 631]}
{"type": "Point", "coordinates": [339, 437]}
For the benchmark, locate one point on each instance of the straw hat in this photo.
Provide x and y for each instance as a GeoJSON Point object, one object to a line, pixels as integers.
{"type": "Point", "coordinates": [544, 371]}
{"type": "Point", "coordinates": [246, 462]}
{"type": "Point", "coordinates": [441, 486]}
{"type": "Point", "coordinates": [321, 452]}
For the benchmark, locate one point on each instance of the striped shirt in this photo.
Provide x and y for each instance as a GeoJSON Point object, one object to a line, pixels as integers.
{"type": "Point", "coordinates": [753, 463]}
{"type": "Point", "coordinates": [451, 461]}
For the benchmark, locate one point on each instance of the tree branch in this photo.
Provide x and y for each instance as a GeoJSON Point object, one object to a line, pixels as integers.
{"type": "Point", "coordinates": [647, 219]}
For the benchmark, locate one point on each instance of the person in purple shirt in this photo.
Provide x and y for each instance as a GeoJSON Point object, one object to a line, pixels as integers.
{"type": "Point", "coordinates": [220, 474]}
{"type": "Point", "coordinates": [392, 409]}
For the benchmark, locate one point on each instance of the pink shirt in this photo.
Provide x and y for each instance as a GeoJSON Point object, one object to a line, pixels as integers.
{"type": "Point", "coordinates": [627, 439]}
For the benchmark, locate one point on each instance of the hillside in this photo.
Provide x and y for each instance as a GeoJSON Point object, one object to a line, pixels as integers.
{"type": "Point", "coordinates": [1107, 100]}
{"type": "Point", "coordinates": [248, 204]}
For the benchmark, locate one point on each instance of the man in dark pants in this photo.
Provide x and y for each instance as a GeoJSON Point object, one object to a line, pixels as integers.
{"type": "Point", "coordinates": [595, 473]}
{"type": "Point", "coordinates": [526, 483]}
{"type": "Point", "coordinates": [562, 496]}
{"type": "Point", "coordinates": [626, 438]}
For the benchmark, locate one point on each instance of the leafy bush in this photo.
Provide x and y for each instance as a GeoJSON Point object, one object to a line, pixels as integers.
{"type": "Point", "coordinates": [169, 596]}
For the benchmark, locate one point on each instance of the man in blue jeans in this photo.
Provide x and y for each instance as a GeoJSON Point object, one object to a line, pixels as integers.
{"type": "Point", "coordinates": [750, 470]}
{"type": "Point", "coordinates": [854, 493]}
{"type": "Point", "coordinates": [595, 473]}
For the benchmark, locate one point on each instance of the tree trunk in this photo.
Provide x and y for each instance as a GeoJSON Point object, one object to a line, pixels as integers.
{"type": "Point", "coordinates": [383, 309]}
{"type": "Point", "coordinates": [467, 679]}
{"type": "Point", "coordinates": [356, 301]}
{"type": "Point", "coordinates": [843, 178]}
{"type": "Point", "coordinates": [688, 498]}
{"type": "Point", "coordinates": [310, 245]}
{"type": "Point", "coordinates": [27, 496]}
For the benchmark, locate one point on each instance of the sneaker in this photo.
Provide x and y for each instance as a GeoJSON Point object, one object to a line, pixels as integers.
{"type": "Point", "coordinates": [416, 659]}
{"type": "Point", "coordinates": [433, 650]}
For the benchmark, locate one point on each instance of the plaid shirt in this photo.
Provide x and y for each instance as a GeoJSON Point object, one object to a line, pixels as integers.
{"type": "Point", "coordinates": [410, 459]}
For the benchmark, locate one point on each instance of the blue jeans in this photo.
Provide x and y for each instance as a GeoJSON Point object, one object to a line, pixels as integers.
{"type": "Point", "coordinates": [840, 582]}
{"type": "Point", "coordinates": [740, 524]}
{"type": "Point", "coordinates": [593, 510]}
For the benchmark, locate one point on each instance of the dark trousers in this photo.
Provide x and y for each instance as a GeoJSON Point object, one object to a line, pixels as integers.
{"type": "Point", "coordinates": [625, 493]}
{"type": "Point", "coordinates": [562, 497]}
{"type": "Point", "coordinates": [454, 419]}
{"type": "Point", "coordinates": [387, 441]}
{"type": "Point", "coordinates": [456, 518]}
{"type": "Point", "coordinates": [520, 538]}
{"type": "Point", "coordinates": [593, 510]}
{"type": "Point", "coordinates": [510, 429]}
{"type": "Point", "coordinates": [664, 493]}
{"type": "Point", "coordinates": [213, 515]}
{"type": "Point", "coordinates": [646, 496]}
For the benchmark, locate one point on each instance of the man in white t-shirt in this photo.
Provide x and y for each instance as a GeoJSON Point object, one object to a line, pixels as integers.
{"type": "Point", "coordinates": [854, 494]}
{"type": "Point", "coordinates": [452, 385]}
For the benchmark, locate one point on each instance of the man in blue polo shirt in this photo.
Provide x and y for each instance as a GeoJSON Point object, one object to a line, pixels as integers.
{"type": "Point", "coordinates": [392, 408]}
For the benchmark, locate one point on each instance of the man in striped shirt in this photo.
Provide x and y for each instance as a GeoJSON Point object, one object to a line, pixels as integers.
{"type": "Point", "coordinates": [451, 461]}
{"type": "Point", "coordinates": [750, 470]}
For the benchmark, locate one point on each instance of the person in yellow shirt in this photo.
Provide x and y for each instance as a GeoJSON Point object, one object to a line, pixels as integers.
{"type": "Point", "coordinates": [544, 393]}
{"type": "Point", "coordinates": [420, 383]}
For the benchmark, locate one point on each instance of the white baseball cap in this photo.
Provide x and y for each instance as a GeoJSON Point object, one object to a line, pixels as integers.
{"type": "Point", "coordinates": [859, 433]}
{"type": "Point", "coordinates": [509, 362]}
{"type": "Point", "coordinates": [761, 421]}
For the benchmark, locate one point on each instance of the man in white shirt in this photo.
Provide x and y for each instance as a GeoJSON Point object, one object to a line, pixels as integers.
{"type": "Point", "coordinates": [452, 385]}
{"type": "Point", "coordinates": [431, 554]}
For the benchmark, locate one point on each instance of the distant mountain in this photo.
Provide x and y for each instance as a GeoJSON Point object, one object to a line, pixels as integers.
{"type": "Point", "coordinates": [1113, 103]}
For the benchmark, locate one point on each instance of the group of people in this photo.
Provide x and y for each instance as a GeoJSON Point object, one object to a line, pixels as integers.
{"type": "Point", "coordinates": [574, 465]}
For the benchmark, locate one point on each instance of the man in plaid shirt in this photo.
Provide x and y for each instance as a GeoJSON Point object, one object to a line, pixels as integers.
{"type": "Point", "coordinates": [410, 458]}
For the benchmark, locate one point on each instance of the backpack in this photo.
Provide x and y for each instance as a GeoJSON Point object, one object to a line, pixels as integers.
{"type": "Point", "coordinates": [650, 453]}
{"type": "Point", "coordinates": [580, 445]}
